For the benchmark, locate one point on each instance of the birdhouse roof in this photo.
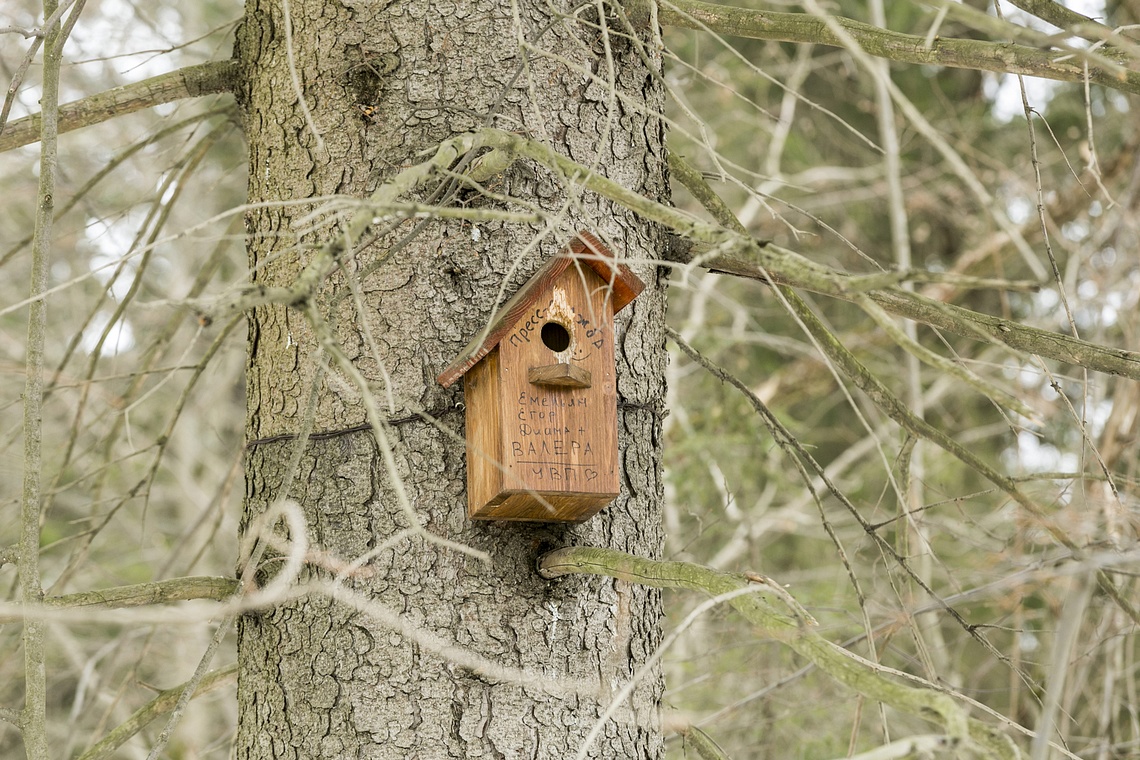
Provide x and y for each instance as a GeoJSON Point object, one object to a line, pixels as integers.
{"type": "Point", "coordinates": [584, 249]}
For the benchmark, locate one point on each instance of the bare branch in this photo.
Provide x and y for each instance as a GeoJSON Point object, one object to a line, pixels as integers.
{"type": "Point", "coordinates": [160, 705]}
{"type": "Point", "coordinates": [190, 688]}
{"type": "Point", "coordinates": [8, 715]}
{"type": "Point", "coordinates": [732, 252]}
{"type": "Point", "coordinates": [29, 56]}
{"type": "Point", "coordinates": [844, 666]}
{"type": "Point", "coordinates": [27, 33]}
{"type": "Point", "coordinates": [1057, 14]}
{"type": "Point", "coordinates": [1000, 57]}
{"type": "Point", "coordinates": [33, 719]}
{"type": "Point", "coordinates": [215, 588]}
{"type": "Point", "coordinates": [944, 316]}
{"type": "Point", "coordinates": [875, 390]}
{"type": "Point", "coordinates": [190, 82]}
{"type": "Point", "coordinates": [159, 592]}
{"type": "Point", "coordinates": [706, 748]}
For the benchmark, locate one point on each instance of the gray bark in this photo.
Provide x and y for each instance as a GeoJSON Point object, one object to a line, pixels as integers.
{"type": "Point", "coordinates": [318, 678]}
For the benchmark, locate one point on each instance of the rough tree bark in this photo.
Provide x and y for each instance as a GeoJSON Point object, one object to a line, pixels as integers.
{"type": "Point", "coordinates": [318, 678]}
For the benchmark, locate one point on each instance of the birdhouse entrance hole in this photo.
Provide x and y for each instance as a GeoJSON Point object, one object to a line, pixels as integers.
{"type": "Point", "coordinates": [555, 337]}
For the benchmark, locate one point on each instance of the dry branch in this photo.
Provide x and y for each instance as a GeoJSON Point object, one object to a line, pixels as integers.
{"type": "Point", "coordinates": [733, 252]}
{"type": "Point", "coordinates": [844, 666]}
{"type": "Point", "coordinates": [160, 705]}
{"type": "Point", "coordinates": [882, 397]}
{"type": "Point", "coordinates": [159, 592]}
{"type": "Point", "coordinates": [1001, 57]}
{"type": "Point", "coordinates": [190, 82]}
{"type": "Point", "coordinates": [33, 717]}
{"type": "Point", "coordinates": [943, 316]}
{"type": "Point", "coordinates": [215, 588]}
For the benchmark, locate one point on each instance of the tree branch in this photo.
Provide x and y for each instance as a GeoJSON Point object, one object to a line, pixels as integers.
{"type": "Point", "coordinates": [190, 82]}
{"type": "Point", "coordinates": [943, 316]}
{"type": "Point", "coordinates": [33, 717]}
{"type": "Point", "coordinates": [1057, 14]}
{"type": "Point", "coordinates": [10, 716]}
{"type": "Point", "coordinates": [163, 703]}
{"type": "Point", "coordinates": [1000, 57]}
{"type": "Point", "coordinates": [733, 252]}
{"type": "Point", "coordinates": [706, 748]}
{"type": "Point", "coordinates": [726, 250]}
{"type": "Point", "coordinates": [216, 588]}
{"type": "Point", "coordinates": [844, 666]}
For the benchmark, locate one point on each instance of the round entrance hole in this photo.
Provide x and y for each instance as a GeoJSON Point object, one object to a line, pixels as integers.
{"type": "Point", "coordinates": [555, 337]}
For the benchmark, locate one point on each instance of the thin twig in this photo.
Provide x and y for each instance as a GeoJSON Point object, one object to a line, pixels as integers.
{"type": "Point", "coordinates": [164, 702]}
{"type": "Point", "coordinates": [191, 687]}
{"type": "Point", "coordinates": [295, 78]}
{"type": "Point", "coordinates": [50, 23]}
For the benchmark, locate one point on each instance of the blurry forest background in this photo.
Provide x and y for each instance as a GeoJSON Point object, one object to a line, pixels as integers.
{"type": "Point", "coordinates": [1028, 185]}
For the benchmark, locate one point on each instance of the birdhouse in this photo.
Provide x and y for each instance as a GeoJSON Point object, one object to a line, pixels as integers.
{"type": "Point", "coordinates": [540, 392]}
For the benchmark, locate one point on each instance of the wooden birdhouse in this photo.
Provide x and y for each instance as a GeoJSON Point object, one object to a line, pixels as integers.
{"type": "Point", "coordinates": [540, 391]}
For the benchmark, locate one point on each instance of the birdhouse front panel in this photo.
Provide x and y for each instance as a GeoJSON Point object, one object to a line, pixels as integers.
{"type": "Point", "coordinates": [559, 396]}
{"type": "Point", "coordinates": [541, 394]}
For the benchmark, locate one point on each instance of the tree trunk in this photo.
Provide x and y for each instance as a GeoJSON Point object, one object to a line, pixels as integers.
{"type": "Point", "coordinates": [384, 82]}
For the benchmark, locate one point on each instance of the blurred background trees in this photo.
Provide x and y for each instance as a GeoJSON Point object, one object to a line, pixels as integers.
{"type": "Point", "coordinates": [808, 172]}
{"type": "Point", "coordinates": [143, 412]}
{"type": "Point", "coordinates": [142, 415]}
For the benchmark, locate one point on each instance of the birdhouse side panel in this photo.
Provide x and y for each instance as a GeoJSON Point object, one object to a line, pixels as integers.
{"type": "Point", "coordinates": [560, 440]}
{"type": "Point", "coordinates": [482, 396]}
